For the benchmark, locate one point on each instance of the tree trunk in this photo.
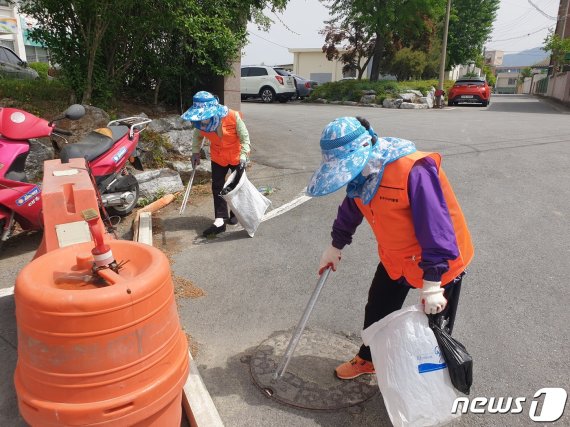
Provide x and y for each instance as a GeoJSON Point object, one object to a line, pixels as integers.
{"type": "Point", "coordinates": [156, 92]}
{"type": "Point", "coordinates": [377, 58]}
{"type": "Point", "coordinates": [362, 69]}
{"type": "Point", "coordinates": [89, 82]}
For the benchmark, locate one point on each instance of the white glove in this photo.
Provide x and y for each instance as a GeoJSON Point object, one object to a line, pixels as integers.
{"type": "Point", "coordinates": [431, 295]}
{"type": "Point", "coordinates": [330, 258]}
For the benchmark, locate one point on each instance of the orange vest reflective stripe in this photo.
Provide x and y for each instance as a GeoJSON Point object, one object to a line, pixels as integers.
{"type": "Point", "coordinates": [390, 216]}
{"type": "Point", "coordinates": [225, 150]}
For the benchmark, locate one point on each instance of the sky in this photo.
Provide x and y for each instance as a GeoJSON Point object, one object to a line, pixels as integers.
{"type": "Point", "coordinates": [518, 26]}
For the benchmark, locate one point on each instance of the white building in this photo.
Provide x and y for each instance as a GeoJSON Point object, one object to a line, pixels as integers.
{"type": "Point", "coordinates": [13, 31]}
{"type": "Point", "coordinates": [313, 64]}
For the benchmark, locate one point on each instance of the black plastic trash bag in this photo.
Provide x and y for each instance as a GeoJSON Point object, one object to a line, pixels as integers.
{"type": "Point", "coordinates": [459, 362]}
{"type": "Point", "coordinates": [236, 178]}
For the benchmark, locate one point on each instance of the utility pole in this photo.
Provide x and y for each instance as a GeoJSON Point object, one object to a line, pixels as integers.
{"type": "Point", "coordinates": [565, 20]}
{"type": "Point", "coordinates": [439, 93]}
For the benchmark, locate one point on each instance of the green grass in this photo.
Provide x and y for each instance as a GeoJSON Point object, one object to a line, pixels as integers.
{"type": "Point", "coordinates": [42, 69]}
{"type": "Point", "coordinates": [40, 97]}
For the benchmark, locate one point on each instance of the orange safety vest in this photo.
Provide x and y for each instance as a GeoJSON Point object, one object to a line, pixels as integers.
{"type": "Point", "coordinates": [225, 150]}
{"type": "Point", "coordinates": [390, 216]}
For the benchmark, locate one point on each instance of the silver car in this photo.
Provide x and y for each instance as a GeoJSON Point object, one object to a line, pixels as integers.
{"type": "Point", "coordinates": [12, 67]}
{"type": "Point", "coordinates": [304, 87]}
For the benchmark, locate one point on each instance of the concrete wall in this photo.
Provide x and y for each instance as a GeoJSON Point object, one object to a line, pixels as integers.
{"type": "Point", "coordinates": [460, 70]}
{"type": "Point", "coordinates": [314, 62]}
{"type": "Point", "coordinates": [559, 87]}
{"type": "Point", "coordinates": [526, 85]}
{"type": "Point", "coordinates": [232, 91]}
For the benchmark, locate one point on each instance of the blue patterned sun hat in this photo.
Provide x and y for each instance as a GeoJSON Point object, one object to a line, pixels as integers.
{"type": "Point", "coordinates": [346, 146]}
{"type": "Point", "coordinates": [205, 105]}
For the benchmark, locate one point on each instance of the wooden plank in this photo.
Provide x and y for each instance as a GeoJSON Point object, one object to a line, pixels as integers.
{"type": "Point", "coordinates": [144, 234]}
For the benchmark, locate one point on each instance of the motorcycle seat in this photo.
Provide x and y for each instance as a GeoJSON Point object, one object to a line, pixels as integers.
{"type": "Point", "coordinates": [92, 145]}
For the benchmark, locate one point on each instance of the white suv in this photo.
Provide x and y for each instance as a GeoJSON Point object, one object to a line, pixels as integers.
{"type": "Point", "coordinates": [260, 81]}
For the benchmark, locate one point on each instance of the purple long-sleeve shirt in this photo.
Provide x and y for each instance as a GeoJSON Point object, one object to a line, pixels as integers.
{"type": "Point", "coordinates": [432, 222]}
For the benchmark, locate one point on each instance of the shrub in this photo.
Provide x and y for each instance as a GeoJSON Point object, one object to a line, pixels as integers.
{"type": "Point", "coordinates": [42, 68]}
{"type": "Point", "coordinates": [351, 90]}
{"type": "Point", "coordinates": [157, 145]}
{"type": "Point", "coordinates": [42, 98]}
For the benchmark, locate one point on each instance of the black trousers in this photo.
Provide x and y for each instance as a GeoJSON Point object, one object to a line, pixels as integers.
{"type": "Point", "coordinates": [218, 179]}
{"type": "Point", "coordinates": [386, 296]}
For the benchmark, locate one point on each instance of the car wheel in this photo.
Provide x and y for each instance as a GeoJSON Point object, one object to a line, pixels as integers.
{"type": "Point", "coordinates": [267, 95]}
{"type": "Point", "coordinates": [485, 103]}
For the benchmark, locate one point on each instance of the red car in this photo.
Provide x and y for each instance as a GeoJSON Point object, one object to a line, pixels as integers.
{"type": "Point", "coordinates": [473, 90]}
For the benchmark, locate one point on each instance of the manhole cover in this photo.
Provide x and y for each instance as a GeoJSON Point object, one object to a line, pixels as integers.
{"type": "Point", "coordinates": [310, 381]}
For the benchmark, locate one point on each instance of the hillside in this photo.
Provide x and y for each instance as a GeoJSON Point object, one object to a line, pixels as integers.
{"type": "Point", "coordinates": [525, 58]}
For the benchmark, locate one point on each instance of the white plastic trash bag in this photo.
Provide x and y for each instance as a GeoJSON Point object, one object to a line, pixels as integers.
{"type": "Point", "coordinates": [246, 202]}
{"type": "Point", "coordinates": [412, 375]}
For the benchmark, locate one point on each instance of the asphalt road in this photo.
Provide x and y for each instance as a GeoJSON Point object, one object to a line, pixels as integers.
{"type": "Point", "coordinates": [508, 165]}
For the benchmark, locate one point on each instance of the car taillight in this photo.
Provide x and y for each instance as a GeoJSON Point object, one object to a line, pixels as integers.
{"type": "Point", "coordinates": [279, 79]}
{"type": "Point", "coordinates": [307, 85]}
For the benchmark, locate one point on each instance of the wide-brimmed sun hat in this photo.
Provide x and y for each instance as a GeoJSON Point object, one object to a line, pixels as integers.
{"type": "Point", "coordinates": [346, 146]}
{"type": "Point", "coordinates": [205, 105]}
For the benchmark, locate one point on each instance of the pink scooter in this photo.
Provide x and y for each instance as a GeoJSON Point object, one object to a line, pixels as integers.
{"type": "Point", "coordinates": [106, 157]}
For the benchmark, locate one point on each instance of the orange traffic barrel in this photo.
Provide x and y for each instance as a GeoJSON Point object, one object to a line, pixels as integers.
{"type": "Point", "coordinates": [99, 352]}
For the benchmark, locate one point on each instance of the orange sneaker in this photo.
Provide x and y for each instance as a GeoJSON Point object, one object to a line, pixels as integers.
{"type": "Point", "coordinates": [354, 368]}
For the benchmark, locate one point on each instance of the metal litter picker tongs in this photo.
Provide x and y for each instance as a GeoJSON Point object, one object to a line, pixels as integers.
{"type": "Point", "coordinates": [189, 186]}
{"type": "Point", "coordinates": [301, 326]}
{"type": "Point", "coordinates": [187, 193]}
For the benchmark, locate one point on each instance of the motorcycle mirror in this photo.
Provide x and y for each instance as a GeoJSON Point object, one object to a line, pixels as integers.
{"type": "Point", "coordinates": [75, 112]}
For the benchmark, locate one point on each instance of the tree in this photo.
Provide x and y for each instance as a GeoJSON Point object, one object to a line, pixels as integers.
{"type": "Point", "coordinates": [525, 72]}
{"type": "Point", "coordinates": [410, 22]}
{"type": "Point", "coordinates": [73, 32]}
{"type": "Point", "coordinates": [558, 49]}
{"type": "Point", "coordinates": [103, 46]}
{"type": "Point", "coordinates": [408, 63]}
{"type": "Point", "coordinates": [470, 26]}
{"type": "Point", "coordinates": [357, 51]}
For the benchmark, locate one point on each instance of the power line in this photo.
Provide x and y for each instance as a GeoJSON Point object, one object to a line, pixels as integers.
{"type": "Point", "coordinates": [269, 41]}
{"type": "Point", "coordinates": [541, 12]}
{"type": "Point", "coordinates": [520, 37]}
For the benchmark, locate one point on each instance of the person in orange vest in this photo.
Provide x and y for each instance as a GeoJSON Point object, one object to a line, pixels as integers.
{"type": "Point", "coordinates": [423, 239]}
{"type": "Point", "coordinates": [229, 149]}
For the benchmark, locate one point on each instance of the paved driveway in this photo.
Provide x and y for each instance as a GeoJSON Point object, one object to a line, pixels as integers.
{"type": "Point", "coordinates": [508, 165]}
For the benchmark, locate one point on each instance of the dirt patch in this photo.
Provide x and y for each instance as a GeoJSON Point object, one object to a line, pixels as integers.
{"type": "Point", "coordinates": [184, 288]}
{"type": "Point", "coordinates": [202, 189]}
{"type": "Point", "coordinates": [192, 345]}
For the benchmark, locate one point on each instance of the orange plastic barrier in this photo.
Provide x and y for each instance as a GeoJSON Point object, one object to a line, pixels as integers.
{"type": "Point", "coordinates": [66, 192]}
{"type": "Point", "coordinates": [98, 354]}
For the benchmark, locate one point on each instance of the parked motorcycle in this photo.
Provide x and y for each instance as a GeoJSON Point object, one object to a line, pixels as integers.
{"type": "Point", "coordinates": [106, 153]}
{"type": "Point", "coordinates": [20, 200]}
